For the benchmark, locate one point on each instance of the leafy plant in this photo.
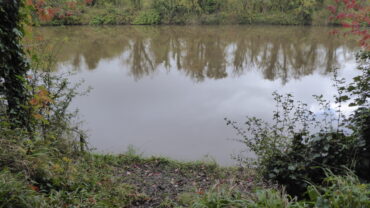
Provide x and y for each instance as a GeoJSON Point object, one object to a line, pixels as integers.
{"type": "Point", "coordinates": [171, 11]}
{"type": "Point", "coordinates": [294, 149]}
{"type": "Point", "coordinates": [50, 96]}
{"type": "Point", "coordinates": [106, 19]}
{"type": "Point", "coordinates": [150, 17]}
{"type": "Point", "coordinates": [303, 162]}
{"type": "Point", "coordinates": [13, 65]}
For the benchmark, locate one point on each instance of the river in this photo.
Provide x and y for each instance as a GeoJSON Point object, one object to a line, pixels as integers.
{"type": "Point", "coordinates": [166, 90]}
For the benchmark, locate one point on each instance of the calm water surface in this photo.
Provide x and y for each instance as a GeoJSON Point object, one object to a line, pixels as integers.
{"type": "Point", "coordinates": [166, 90]}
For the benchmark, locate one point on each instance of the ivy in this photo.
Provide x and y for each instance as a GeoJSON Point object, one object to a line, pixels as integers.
{"type": "Point", "coordinates": [13, 63]}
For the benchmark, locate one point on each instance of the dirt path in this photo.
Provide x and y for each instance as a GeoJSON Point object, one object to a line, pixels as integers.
{"type": "Point", "coordinates": [164, 182]}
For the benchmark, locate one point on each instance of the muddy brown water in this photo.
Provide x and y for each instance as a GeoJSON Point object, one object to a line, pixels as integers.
{"type": "Point", "coordinates": [166, 90]}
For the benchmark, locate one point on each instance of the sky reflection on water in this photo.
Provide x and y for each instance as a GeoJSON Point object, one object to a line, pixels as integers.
{"type": "Point", "coordinates": [166, 90]}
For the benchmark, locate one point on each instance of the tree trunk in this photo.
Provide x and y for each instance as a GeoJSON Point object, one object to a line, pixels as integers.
{"type": "Point", "coordinates": [13, 64]}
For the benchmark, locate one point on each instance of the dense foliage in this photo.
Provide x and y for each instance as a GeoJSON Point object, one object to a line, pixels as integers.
{"type": "Point", "coordinates": [285, 12]}
{"type": "Point", "coordinates": [296, 148]}
{"type": "Point", "coordinates": [355, 16]}
{"type": "Point", "coordinates": [13, 64]}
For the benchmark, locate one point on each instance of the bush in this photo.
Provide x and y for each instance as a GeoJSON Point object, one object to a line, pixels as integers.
{"type": "Point", "coordinates": [362, 120]}
{"type": "Point", "coordinates": [287, 150]}
{"type": "Point", "coordinates": [294, 149]}
{"type": "Point", "coordinates": [70, 20]}
{"type": "Point", "coordinates": [98, 20]}
{"type": "Point", "coordinates": [304, 161]}
{"type": "Point", "coordinates": [290, 151]}
{"type": "Point", "coordinates": [150, 17]}
{"type": "Point", "coordinates": [359, 89]}
{"type": "Point", "coordinates": [171, 12]}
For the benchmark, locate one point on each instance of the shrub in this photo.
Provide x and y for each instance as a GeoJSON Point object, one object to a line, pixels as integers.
{"type": "Point", "coordinates": [68, 20]}
{"type": "Point", "coordinates": [295, 148]}
{"type": "Point", "coordinates": [305, 10]}
{"type": "Point", "coordinates": [304, 160]}
{"type": "Point", "coordinates": [111, 19]}
{"type": "Point", "coordinates": [170, 11]}
{"type": "Point", "coordinates": [362, 122]}
{"type": "Point", "coordinates": [288, 153]}
{"type": "Point", "coordinates": [149, 17]}
{"type": "Point", "coordinates": [97, 20]}
{"type": "Point", "coordinates": [359, 90]}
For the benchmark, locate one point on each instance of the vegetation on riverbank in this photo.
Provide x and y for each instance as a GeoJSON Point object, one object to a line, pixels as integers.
{"type": "Point", "coordinates": [154, 12]}
{"type": "Point", "coordinates": [38, 174]}
{"type": "Point", "coordinates": [44, 163]}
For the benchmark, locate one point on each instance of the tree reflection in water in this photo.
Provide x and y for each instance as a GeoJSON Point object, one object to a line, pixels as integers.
{"type": "Point", "coordinates": [202, 52]}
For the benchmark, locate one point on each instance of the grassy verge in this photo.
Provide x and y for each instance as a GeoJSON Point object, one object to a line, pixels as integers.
{"type": "Point", "coordinates": [41, 175]}
{"type": "Point", "coordinates": [38, 175]}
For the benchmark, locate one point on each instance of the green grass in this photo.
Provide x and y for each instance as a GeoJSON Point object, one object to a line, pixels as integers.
{"type": "Point", "coordinates": [43, 174]}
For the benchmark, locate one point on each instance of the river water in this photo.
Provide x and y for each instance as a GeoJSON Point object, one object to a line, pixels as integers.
{"type": "Point", "coordinates": [166, 90]}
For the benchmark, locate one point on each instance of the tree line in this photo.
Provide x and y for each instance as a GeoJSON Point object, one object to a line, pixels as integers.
{"type": "Point", "coordinates": [288, 12]}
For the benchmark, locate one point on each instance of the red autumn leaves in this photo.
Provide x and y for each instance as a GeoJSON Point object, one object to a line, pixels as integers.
{"type": "Point", "coordinates": [47, 11]}
{"type": "Point", "coordinates": [355, 16]}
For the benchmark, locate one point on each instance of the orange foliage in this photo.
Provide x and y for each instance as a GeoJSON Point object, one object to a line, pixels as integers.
{"type": "Point", "coordinates": [40, 102]}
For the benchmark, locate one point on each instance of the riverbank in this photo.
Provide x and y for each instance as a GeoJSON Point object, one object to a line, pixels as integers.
{"type": "Point", "coordinates": [45, 175]}
{"type": "Point", "coordinates": [37, 175]}
{"type": "Point", "coordinates": [169, 183]}
{"type": "Point", "coordinates": [167, 12]}
{"type": "Point", "coordinates": [124, 17]}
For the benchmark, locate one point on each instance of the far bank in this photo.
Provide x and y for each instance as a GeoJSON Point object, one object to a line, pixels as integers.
{"type": "Point", "coordinates": [181, 12]}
